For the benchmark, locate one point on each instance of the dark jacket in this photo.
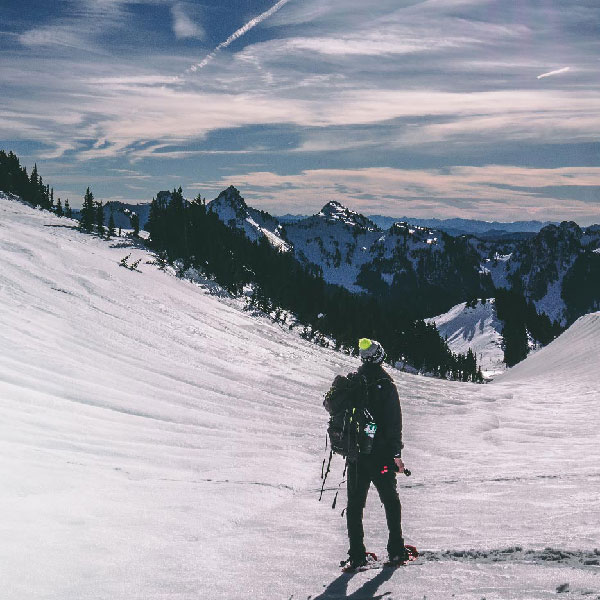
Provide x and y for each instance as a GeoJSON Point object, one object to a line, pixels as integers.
{"type": "Point", "coordinates": [384, 404]}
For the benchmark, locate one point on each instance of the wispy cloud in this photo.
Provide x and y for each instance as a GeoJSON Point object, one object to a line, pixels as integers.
{"type": "Point", "coordinates": [68, 36]}
{"type": "Point", "coordinates": [239, 33]}
{"type": "Point", "coordinates": [183, 25]}
{"type": "Point", "coordinates": [458, 191]}
{"type": "Point", "coordinates": [552, 73]}
{"type": "Point", "coordinates": [353, 84]}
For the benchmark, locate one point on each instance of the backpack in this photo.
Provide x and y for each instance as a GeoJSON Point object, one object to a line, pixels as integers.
{"type": "Point", "coordinates": [351, 428]}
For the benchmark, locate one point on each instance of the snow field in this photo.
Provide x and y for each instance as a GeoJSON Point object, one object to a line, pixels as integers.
{"type": "Point", "coordinates": [476, 328]}
{"type": "Point", "coordinates": [158, 442]}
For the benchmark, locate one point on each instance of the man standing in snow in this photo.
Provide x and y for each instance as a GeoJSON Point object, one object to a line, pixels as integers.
{"type": "Point", "coordinates": [380, 464]}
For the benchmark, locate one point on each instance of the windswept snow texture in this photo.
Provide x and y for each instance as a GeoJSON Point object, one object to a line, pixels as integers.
{"type": "Point", "coordinates": [477, 328]}
{"type": "Point", "coordinates": [157, 442]}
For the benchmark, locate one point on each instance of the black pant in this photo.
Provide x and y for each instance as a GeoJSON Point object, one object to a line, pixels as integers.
{"type": "Point", "coordinates": [359, 478]}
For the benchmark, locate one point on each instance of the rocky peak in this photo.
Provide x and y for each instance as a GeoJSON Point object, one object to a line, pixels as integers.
{"type": "Point", "coordinates": [335, 212]}
{"type": "Point", "coordinates": [230, 198]}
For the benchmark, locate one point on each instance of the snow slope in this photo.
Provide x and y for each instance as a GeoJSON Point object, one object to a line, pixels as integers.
{"type": "Point", "coordinates": [477, 328]}
{"type": "Point", "coordinates": [567, 358]}
{"type": "Point", "coordinates": [157, 442]}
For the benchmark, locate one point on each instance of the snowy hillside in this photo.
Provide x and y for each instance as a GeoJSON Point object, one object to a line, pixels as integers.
{"type": "Point", "coordinates": [566, 359]}
{"type": "Point", "coordinates": [160, 443]}
{"type": "Point", "coordinates": [551, 268]}
{"type": "Point", "coordinates": [475, 327]}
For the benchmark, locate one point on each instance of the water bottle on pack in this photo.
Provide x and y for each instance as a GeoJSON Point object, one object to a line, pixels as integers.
{"type": "Point", "coordinates": [370, 430]}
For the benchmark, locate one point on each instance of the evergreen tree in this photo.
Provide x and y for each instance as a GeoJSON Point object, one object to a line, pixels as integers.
{"type": "Point", "coordinates": [100, 218]}
{"type": "Point", "coordinates": [59, 208]}
{"type": "Point", "coordinates": [31, 188]}
{"type": "Point", "coordinates": [470, 366]}
{"type": "Point", "coordinates": [88, 210]}
{"type": "Point", "coordinates": [516, 345]}
{"type": "Point", "coordinates": [34, 180]}
{"type": "Point", "coordinates": [111, 225]}
{"type": "Point", "coordinates": [135, 224]}
{"type": "Point", "coordinates": [68, 210]}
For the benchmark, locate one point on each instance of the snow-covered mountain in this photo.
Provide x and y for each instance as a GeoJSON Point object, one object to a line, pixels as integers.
{"type": "Point", "coordinates": [420, 269]}
{"type": "Point", "coordinates": [558, 270]}
{"type": "Point", "coordinates": [474, 326]}
{"type": "Point", "coordinates": [160, 442]}
{"type": "Point", "coordinates": [427, 270]}
{"type": "Point", "coordinates": [232, 209]}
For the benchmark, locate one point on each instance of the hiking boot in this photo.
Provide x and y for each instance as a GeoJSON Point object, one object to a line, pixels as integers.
{"type": "Point", "coordinates": [398, 559]}
{"type": "Point", "coordinates": [353, 564]}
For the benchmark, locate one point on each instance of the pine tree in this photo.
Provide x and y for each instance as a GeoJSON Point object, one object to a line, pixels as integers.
{"type": "Point", "coordinates": [34, 180]}
{"type": "Point", "coordinates": [100, 218]}
{"type": "Point", "coordinates": [470, 366]}
{"type": "Point", "coordinates": [59, 208]}
{"type": "Point", "coordinates": [88, 210]}
{"type": "Point", "coordinates": [111, 226]}
{"type": "Point", "coordinates": [135, 224]}
{"type": "Point", "coordinates": [68, 211]}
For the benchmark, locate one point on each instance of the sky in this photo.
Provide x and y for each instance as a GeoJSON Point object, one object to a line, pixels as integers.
{"type": "Point", "coordinates": [486, 109]}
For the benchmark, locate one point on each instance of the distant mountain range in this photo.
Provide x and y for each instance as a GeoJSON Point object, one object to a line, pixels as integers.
{"type": "Point", "coordinates": [426, 265]}
{"type": "Point", "coordinates": [467, 226]}
{"type": "Point", "coordinates": [426, 269]}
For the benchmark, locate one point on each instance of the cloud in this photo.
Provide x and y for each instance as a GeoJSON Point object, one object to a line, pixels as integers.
{"type": "Point", "coordinates": [128, 109]}
{"type": "Point", "coordinates": [239, 33]}
{"type": "Point", "coordinates": [505, 191]}
{"type": "Point", "coordinates": [55, 35]}
{"type": "Point", "coordinates": [552, 73]}
{"type": "Point", "coordinates": [343, 84]}
{"type": "Point", "coordinates": [183, 25]}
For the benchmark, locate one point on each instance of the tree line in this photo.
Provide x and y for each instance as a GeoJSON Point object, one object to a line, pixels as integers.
{"type": "Point", "coordinates": [92, 218]}
{"type": "Point", "coordinates": [522, 322]}
{"type": "Point", "coordinates": [275, 282]}
{"type": "Point", "coordinates": [31, 188]}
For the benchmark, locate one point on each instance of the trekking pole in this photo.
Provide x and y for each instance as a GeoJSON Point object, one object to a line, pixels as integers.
{"type": "Point", "coordinates": [406, 471]}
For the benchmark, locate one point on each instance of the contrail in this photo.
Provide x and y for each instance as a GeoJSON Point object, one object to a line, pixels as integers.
{"type": "Point", "coordinates": [239, 33]}
{"type": "Point", "coordinates": [557, 72]}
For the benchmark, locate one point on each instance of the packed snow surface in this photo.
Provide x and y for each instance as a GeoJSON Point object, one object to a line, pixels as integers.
{"type": "Point", "coordinates": [477, 328]}
{"type": "Point", "coordinates": [157, 442]}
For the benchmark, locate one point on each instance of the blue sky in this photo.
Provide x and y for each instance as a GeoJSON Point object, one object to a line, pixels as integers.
{"type": "Point", "coordinates": [439, 108]}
